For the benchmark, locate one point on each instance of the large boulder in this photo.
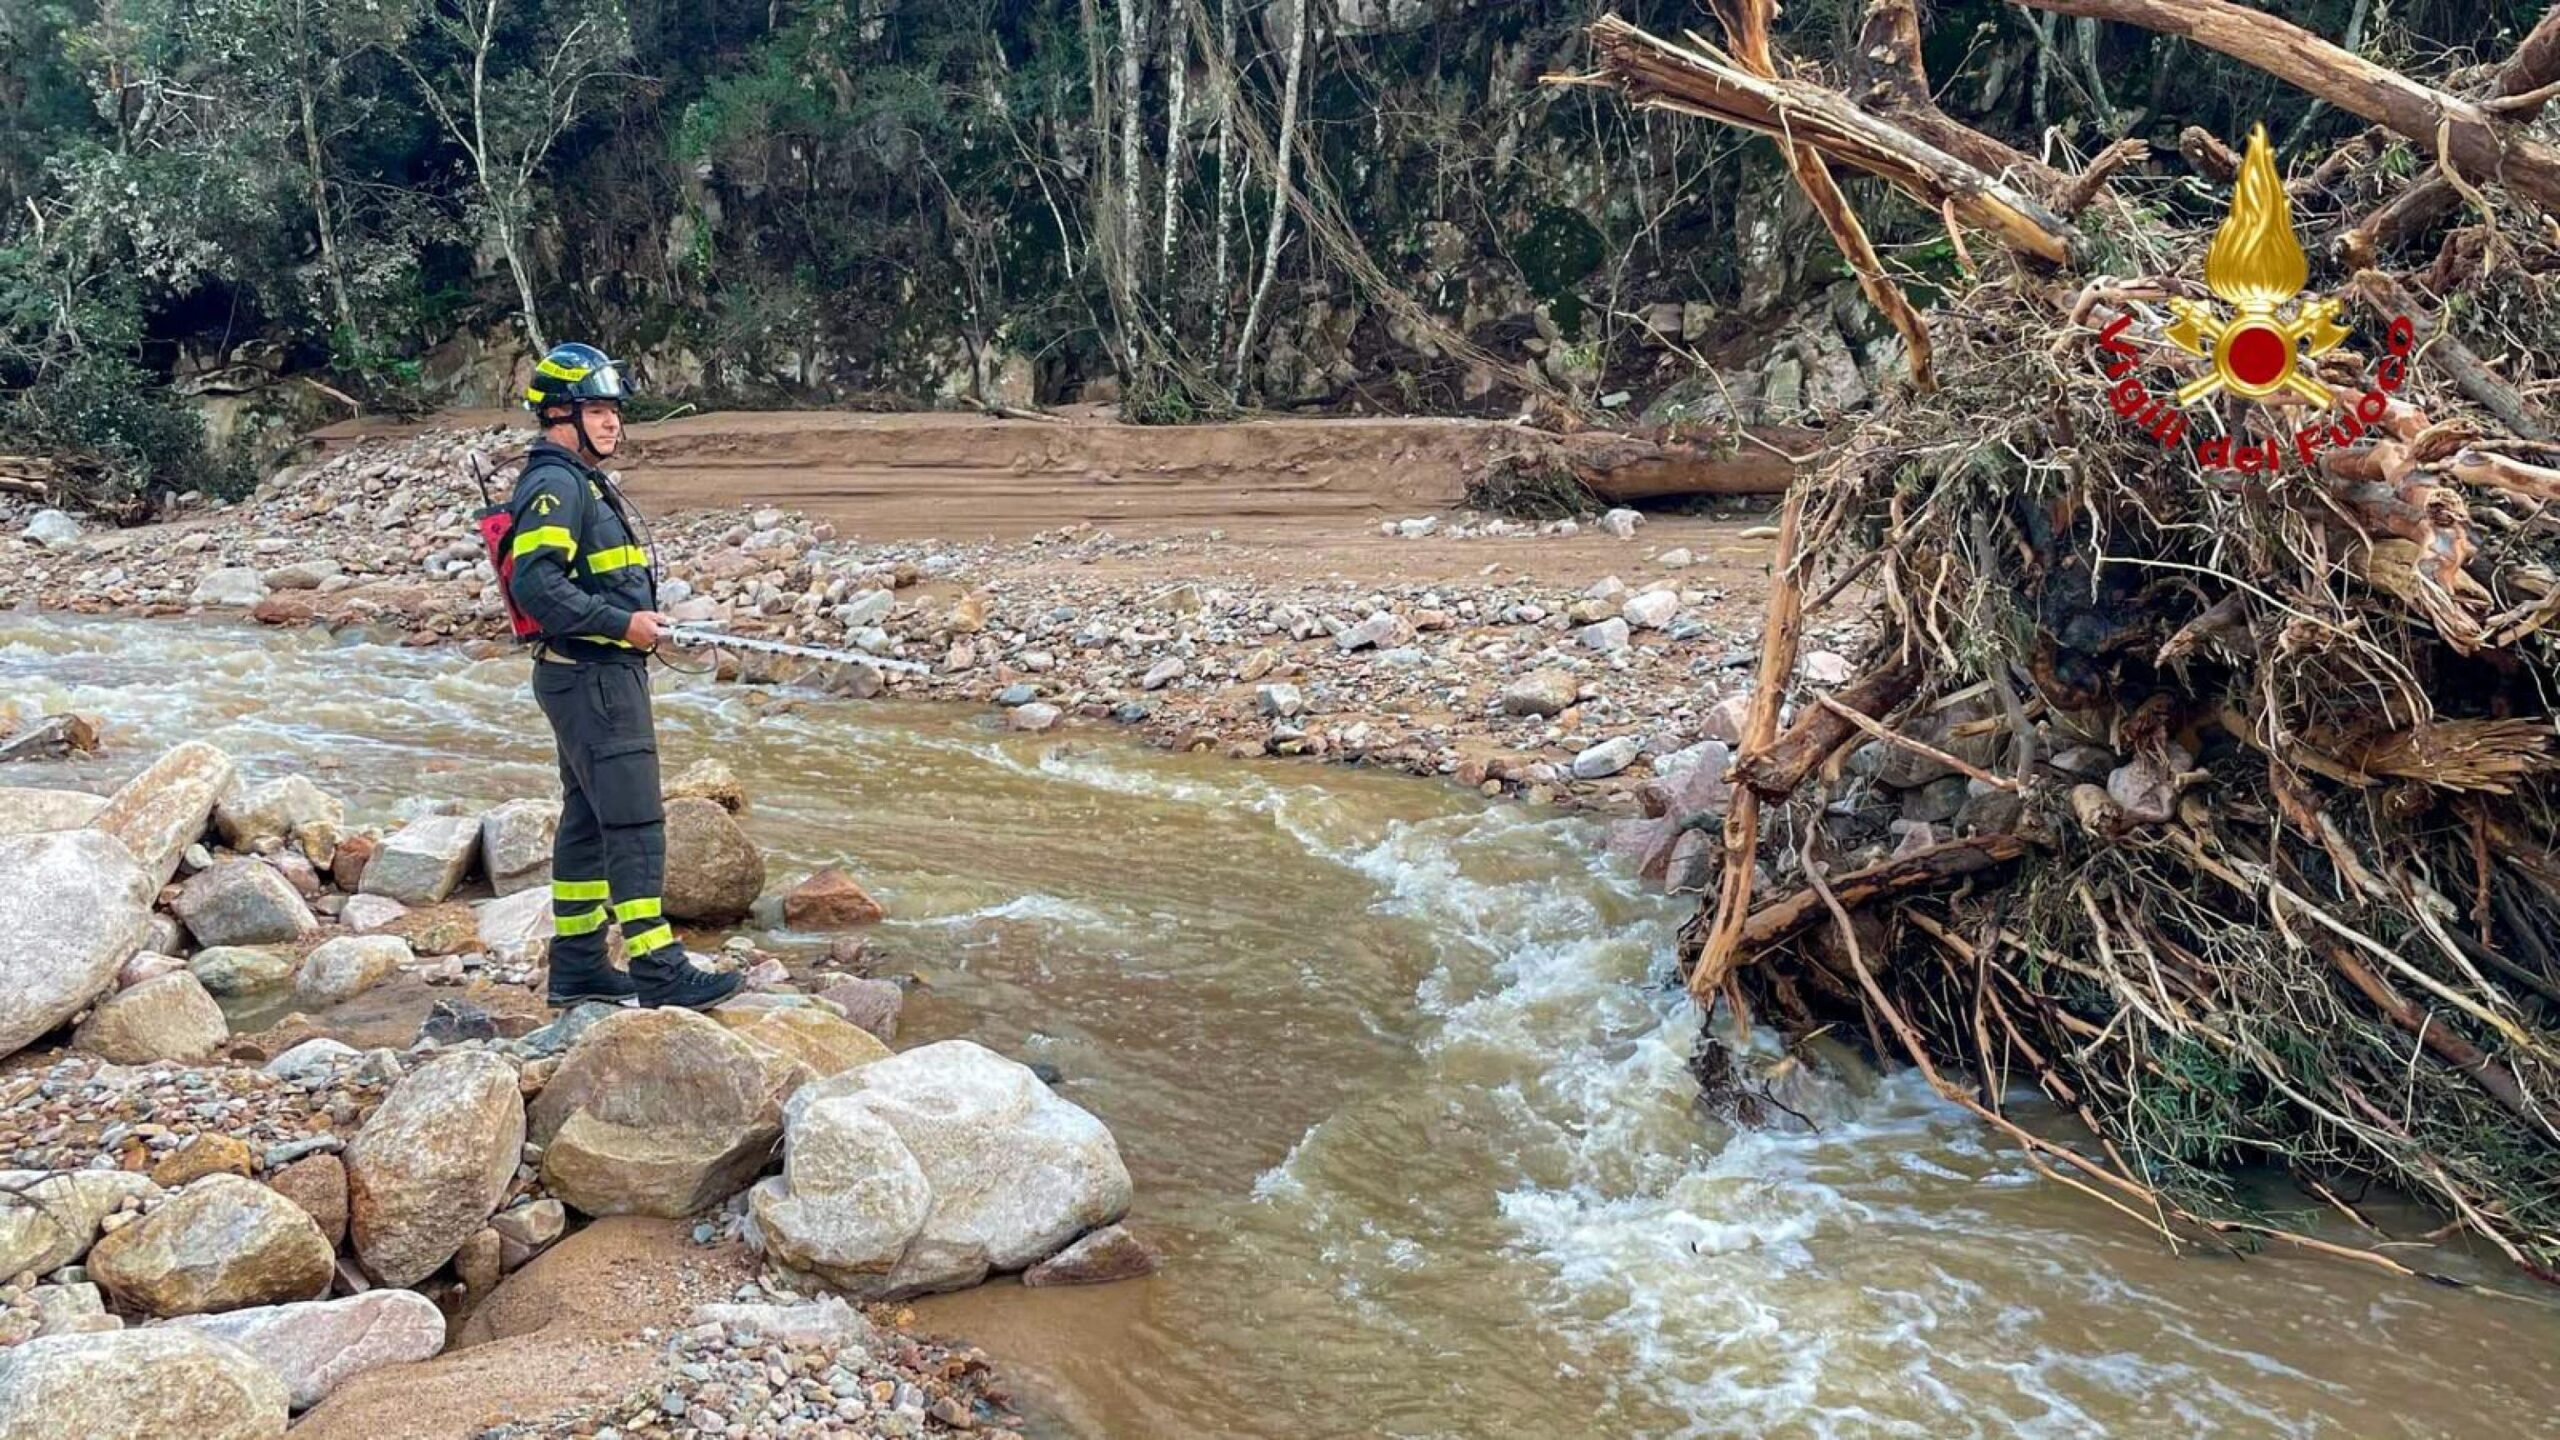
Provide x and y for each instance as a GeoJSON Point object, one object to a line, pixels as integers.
{"type": "Point", "coordinates": [826, 1042]}
{"type": "Point", "coordinates": [167, 1381]}
{"type": "Point", "coordinates": [243, 969]}
{"type": "Point", "coordinates": [49, 1219]}
{"type": "Point", "coordinates": [221, 1243]}
{"type": "Point", "coordinates": [169, 1017]}
{"type": "Point", "coordinates": [25, 811]}
{"type": "Point", "coordinates": [277, 811]}
{"type": "Point", "coordinates": [714, 872]}
{"type": "Point", "coordinates": [515, 844]}
{"type": "Point", "coordinates": [660, 1112]}
{"type": "Point", "coordinates": [317, 1345]}
{"type": "Point", "coordinates": [429, 1167]}
{"type": "Point", "coordinates": [243, 902]}
{"type": "Point", "coordinates": [346, 967]}
{"type": "Point", "coordinates": [163, 810]}
{"type": "Point", "coordinates": [1015, 1171]}
{"type": "Point", "coordinates": [73, 907]}
{"type": "Point", "coordinates": [421, 864]}
{"type": "Point", "coordinates": [850, 1200]}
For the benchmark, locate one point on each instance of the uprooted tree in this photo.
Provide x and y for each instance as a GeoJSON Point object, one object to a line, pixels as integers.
{"type": "Point", "coordinates": [2253, 859]}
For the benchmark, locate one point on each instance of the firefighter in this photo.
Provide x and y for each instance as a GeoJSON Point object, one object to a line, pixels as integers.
{"type": "Point", "coordinates": [581, 574]}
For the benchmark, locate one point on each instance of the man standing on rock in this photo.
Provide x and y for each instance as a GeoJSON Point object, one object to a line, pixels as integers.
{"type": "Point", "coordinates": [579, 571]}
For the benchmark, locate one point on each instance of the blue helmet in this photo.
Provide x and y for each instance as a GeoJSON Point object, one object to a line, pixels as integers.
{"type": "Point", "coordinates": [574, 372]}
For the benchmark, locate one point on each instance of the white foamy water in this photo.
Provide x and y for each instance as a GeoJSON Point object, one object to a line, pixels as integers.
{"type": "Point", "coordinates": [1404, 1082]}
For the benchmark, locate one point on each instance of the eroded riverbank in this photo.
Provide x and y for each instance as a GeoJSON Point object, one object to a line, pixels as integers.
{"type": "Point", "coordinates": [1404, 1094]}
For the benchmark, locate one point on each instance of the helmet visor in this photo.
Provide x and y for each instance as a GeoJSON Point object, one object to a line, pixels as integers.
{"type": "Point", "coordinates": [604, 383]}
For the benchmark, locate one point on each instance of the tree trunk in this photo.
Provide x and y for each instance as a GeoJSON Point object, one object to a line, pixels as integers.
{"type": "Point", "coordinates": [319, 176]}
{"type": "Point", "coordinates": [1280, 194]}
{"type": "Point", "coordinates": [1227, 188]}
{"type": "Point", "coordinates": [1133, 73]}
{"type": "Point", "coordinates": [2476, 144]}
{"type": "Point", "coordinates": [1177, 63]}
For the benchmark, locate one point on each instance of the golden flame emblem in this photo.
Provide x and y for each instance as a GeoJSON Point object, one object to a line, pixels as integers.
{"type": "Point", "coordinates": [2256, 266]}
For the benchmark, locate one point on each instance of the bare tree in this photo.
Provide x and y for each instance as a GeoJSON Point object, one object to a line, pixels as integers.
{"type": "Point", "coordinates": [1177, 64]}
{"type": "Point", "coordinates": [507, 123]}
{"type": "Point", "coordinates": [1280, 192]}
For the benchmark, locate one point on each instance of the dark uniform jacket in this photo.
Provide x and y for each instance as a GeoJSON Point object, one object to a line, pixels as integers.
{"type": "Point", "coordinates": [579, 568]}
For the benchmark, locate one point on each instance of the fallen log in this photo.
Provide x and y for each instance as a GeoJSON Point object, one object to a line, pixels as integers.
{"type": "Point", "coordinates": [1749, 460]}
{"type": "Point", "coordinates": [1660, 75]}
{"type": "Point", "coordinates": [1920, 870]}
{"type": "Point", "coordinates": [2523, 85]}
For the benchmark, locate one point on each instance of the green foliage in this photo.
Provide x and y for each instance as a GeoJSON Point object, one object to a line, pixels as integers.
{"type": "Point", "coordinates": [146, 440]}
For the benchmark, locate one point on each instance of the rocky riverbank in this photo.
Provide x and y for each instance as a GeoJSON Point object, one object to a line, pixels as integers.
{"type": "Point", "coordinates": [1507, 681]}
{"type": "Point", "coordinates": [205, 1232]}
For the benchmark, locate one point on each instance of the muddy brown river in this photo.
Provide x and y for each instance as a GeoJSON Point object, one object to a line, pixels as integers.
{"type": "Point", "coordinates": [1402, 1085]}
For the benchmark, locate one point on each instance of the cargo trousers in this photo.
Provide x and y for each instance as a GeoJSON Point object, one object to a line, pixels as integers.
{"type": "Point", "coordinates": [609, 862]}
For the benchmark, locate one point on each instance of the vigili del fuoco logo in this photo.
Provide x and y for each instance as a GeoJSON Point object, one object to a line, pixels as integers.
{"type": "Point", "coordinates": [2260, 340]}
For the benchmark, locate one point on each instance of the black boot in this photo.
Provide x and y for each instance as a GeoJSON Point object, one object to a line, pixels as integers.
{"type": "Point", "coordinates": [576, 987]}
{"type": "Point", "coordinates": [686, 986]}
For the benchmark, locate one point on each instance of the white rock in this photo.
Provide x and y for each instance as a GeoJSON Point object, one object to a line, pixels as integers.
{"type": "Point", "coordinates": [1622, 523]}
{"type": "Point", "coordinates": [1033, 718]}
{"type": "Point", "coordinates": [1015, 1172]}
{"type": "Point", "coordinates": [73, 908]}
{"type": "Point", "coordinates": [313, 1056]}
{"type": "Point", "coordinates": [1164, 672]}
{"type": "Point", "coordinates": [236, 588]}
{"type": "Point", "coordinates": [515, 844]}
{"type": "Point", "coordinates": [516, 928]}
{"type": "Point", "coordinates": [276, 811]}
{"type": "Point", "coordinates": [1282, 700]}
{"type": "Point", "coordinates": [1607, 587]}
{"type": "Point", "coordinates": [1381, 628]}
{"type": "Point", "coordinates": [1608, 637]}
{"type": "Point", "coordinates": [1650, 611]}
{"type": "Point", "coordinates": [53, 530]}
{"type": "Point", "coordinates": [1607, 758]}
{"type": "Point", "coordinates": [367, 913]}
{"type": "Point", "coordinates": [316, 1345]}
{"type": "Point", "coordinates": [421, 864]}
{"type": "Point", "coordinates": [348, 966]}
{"type": "Point", "coordinates": [1675, 559]}
{"type": "Point", "coordinates": [1823, 667]}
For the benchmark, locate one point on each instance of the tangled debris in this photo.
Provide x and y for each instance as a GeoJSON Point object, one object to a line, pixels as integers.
{"type": "Point", "coordinates": [2255, 862]}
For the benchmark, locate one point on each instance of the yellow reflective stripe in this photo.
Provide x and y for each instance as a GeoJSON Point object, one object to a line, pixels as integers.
{"type": "Point", "coordinates": [630, 910]}
{"type": "Point", "coordinates": [620, 557]}
{"type": "Point", "coordinates": [586, 924]}
{"type": "Point", "coordinates": [606, 640]}
{"type": "Point", "coordinates": [656, 937]}
{"type": "Point", "coordinates": [551, 537]}
{"type": "Point", "coordinates": [561, 372]}
{"type": "Point", "coordinates": [581, 890]}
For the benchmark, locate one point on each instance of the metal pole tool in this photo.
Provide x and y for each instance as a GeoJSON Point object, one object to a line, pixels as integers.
{"type": "Point", "coordinates": [713, 639]}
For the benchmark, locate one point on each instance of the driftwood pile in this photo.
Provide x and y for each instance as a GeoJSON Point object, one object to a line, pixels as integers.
{"type": "Point", "coordinates": [2216, 801]}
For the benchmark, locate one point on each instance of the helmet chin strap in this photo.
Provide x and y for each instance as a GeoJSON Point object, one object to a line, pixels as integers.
{"type": "Point", "coordinates": [578, 418]}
